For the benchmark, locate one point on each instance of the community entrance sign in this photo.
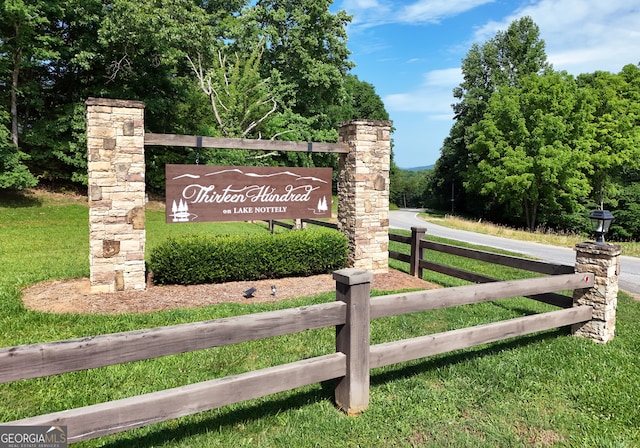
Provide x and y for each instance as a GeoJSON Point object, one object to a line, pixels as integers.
{"type": "Point", "coordinates": [116, 185]}
{"type": "Point", "coordinates": [201, 193]}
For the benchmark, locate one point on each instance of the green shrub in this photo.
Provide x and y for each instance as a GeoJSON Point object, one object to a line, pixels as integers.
{"type": "Point", "coordinates": [196, 259]}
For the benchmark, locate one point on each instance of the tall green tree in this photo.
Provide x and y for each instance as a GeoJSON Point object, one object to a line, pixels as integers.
{"type": "Point", "coordinates": [307, 47]}
{"type": "Point", "coordinates": [361, 101]}
{"type": "Point", "coordinates": [241, 100]}
{"type": "Point", "coordinates": [615, 99]}
{"type": "Point", "coordinates": [26, 47]}
{"type": "Point", "coordinates": [69, 50]}
{"type": "Point", "coordinates": [626, 226]}
{"type": "Point", "coordinates": [501, 61]}
{"type": "Point", "coordinates": [532, 147]}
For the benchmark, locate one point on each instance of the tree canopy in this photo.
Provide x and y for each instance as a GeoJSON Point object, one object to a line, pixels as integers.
{"type": "Point", "coordinates": [531, 146]}
{"type": "Point", "coordinates": [255, 69]}
{"type": "Point", "coordinates": [501, 61]}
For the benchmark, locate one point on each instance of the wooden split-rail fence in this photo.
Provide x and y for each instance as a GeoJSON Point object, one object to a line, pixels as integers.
{"type": "Point", "coordinates": [349, 365]}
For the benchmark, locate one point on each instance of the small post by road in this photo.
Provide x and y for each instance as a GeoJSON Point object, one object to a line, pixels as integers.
{"type": "Point", "coordinates": [604, 262]}
{"type": "Point", "coordinates": [417, 253]}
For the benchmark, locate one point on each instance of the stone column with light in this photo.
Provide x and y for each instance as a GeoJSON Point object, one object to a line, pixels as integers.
{"type": "Point", "coordinates": [604, 261]}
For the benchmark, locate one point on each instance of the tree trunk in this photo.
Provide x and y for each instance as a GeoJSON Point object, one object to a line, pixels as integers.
{"type": "Point", "coordinates": [534, 216]}
{"type": "Point", "coordinates": [14, 96]}
{"type": "Point", "coordinates": [530, 213]}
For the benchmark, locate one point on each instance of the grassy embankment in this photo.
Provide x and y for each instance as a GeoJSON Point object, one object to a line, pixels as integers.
{"type": "Point", "coordinates": [628, 248]}
{"type": "Point", "coordinates": [545, 390]}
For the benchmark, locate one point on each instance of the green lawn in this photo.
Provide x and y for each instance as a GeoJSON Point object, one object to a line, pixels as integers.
{"type": "Point", "coordinates": [544, 390]}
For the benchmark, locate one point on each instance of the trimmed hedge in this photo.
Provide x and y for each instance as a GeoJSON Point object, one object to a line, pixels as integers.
{"type": "Point", "coordinates": [197, 259]}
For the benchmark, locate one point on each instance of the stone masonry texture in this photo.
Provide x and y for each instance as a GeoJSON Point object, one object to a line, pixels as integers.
{"type": "Point", "coordinates": [363, 193]}
{"type": "Point", "coordinates": [604, 262]}
{"type": "Point", "coordinates": [116, 178]}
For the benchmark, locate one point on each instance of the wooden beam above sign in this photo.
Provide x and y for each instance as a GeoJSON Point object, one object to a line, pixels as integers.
{"type": "Point", "coordinates": [195, 141]}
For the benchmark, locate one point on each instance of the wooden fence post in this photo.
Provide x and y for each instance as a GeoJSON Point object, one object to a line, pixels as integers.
{"type": "Point", "coordinates": [352, 287]}
{"type": "Point", "coordinates": [417, 234]}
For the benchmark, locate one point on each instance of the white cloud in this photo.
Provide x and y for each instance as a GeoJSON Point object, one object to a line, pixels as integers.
{"type": "Point", "coordinates": [581, 36]}
{"type": "Point", "coordinates": [370, 13]}
{"type": "Point", "coordinates": [433, 11]}
{"type": "Point", "coordinates": [444, 77]}
{"type": "Point", "coordinates": [361, 4]}
{"type": "Point", "coordinates": [433, 96]}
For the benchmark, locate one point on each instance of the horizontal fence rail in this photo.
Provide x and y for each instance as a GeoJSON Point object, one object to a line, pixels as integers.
{"type": "Point", "coordinates": [120, 415]}
{"type": "Point", "coordinates": [418, 263]}
{"type": "Point", "coordinates": [409, 349]}
{"type": "Point", "coordinates": [195, 141]}
{"type": "Point", "coordinates": [525, 264]}
{"type": "Point", "coordinates": [540, 267]}
{"type": "Point", "coordinates": [37, 360]}
{"type": "Point", "coordinates": [317, 222]}
{"type": "Point", "coordinates": [350, 364]}
{"type": "Point", "coordinates": [405, 303]}
{"type": "Point", "coordinates": [273, 223]}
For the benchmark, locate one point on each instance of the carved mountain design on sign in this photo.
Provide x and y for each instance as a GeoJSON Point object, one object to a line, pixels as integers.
{"type": "Point", "coordinates": [281, 173]}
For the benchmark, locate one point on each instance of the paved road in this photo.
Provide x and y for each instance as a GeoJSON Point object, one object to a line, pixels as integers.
{"type": "Point", "coordinates": [629, 279]}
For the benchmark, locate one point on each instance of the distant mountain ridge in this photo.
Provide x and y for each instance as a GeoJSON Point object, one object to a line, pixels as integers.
{"type": "Point", "coordinates": [419, 168]}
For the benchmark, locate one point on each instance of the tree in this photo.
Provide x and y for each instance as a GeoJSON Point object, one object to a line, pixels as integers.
{"type": "Point", "coordinates": [531, 147]}
{"type": "Point", "coordinates": [616, 119]}
{"type": "Point", "coordinates": [501, 61]}
{"type": "Point", "coordinates": [306, 46]}
{"type": "Point", "coordinates": [26, 45]}
{"type": "Point", "coordinates": [13, 172]}
{"type": "Point", "coordinates": [362, 101]}
{"type": "Point", "coordinates": [63, 52]}
{"type": "Point", "coordinates": [626, 226]}
{"type": "Point", "coordinates": [407, 188]}
{"type": "Point", "coordinates": [240, 99]}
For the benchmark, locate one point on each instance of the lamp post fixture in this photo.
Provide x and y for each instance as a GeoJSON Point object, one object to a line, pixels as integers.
{"type": "Point", "coordinates": [600, 222]}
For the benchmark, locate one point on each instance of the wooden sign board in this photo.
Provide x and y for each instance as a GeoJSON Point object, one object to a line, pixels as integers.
{"type": "Point", "coordinates": [202, 193]}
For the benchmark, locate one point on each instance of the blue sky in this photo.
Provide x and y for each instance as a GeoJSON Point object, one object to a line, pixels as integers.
{"type": "Point", "coordinates": [411, 52]}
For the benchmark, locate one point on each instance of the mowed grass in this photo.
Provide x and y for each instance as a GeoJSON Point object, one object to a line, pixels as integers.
{"type": "Point", "coordinates": [631, 249]}
{"type": "Point", "coordinates": [548, 389]}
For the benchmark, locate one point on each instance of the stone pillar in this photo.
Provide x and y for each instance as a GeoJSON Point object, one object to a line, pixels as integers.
{"type": "Point", "coordinates": [604, 262]}
{"type": "Point", "coordinates": [363, 193]}
{"type": "Point", "coordinates": [116, 180]}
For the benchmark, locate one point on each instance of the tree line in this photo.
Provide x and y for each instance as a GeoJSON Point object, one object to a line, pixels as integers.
{"type": "Point", "coordinates": [530, 146]}
{"type": "Point", "coordinates": [535, 147]}
{"type": "Point", "coordinates": [221, 68]}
